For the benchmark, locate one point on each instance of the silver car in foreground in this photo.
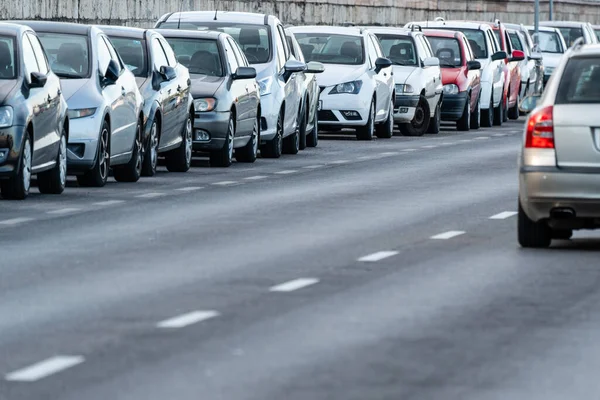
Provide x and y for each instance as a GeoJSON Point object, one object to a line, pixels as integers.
{"type": "Point", "coordinates": [559, 165]}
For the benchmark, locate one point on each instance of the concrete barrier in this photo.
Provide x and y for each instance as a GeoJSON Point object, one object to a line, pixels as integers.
{"type": "Point", "coordinates": [368, 12]}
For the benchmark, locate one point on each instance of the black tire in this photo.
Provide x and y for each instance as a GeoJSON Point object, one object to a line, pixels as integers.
{"type": "Point", "coordinates": [180, 159]}
{"type": "Point", "coordinates": [533, 234]}
{"type": "Point", "coordinates": [418, 126]}
{"type": "Point", "coordinates": [131, 171]}
{"type": "Point", "coordinates": [223, 157]}
{"type": "Point", "coordinates": [98, 175]}
{"type": "Point", "coordinates": [562, 234]}
{"type": "Point", "coordinates": [436, 122]}
{"type": "Point", "coordinates": [487, 116]}
{"type": "Point", "coordinates": [302, 129]}
{"type": "Point", "coordinates": [505, 115]}
{"type": "Point", "coordinates": [366, 132]}
{"type": "Point", "coordinates": [385, 130]}
{"type": "Point", "coordinates": [476, 116]}
{"type": "Point", "coordinates": [249, 152]}
{"type": "Point", "coordinates": [17, 187]}
{"type": "Point", "coordinates": [499, 112]}
{"type": "Point", "coordinates": [464, 123]}
{"type": "Point", "coordinates": [273, 148]}
{"type": "Point", "coordinates": [54, 181]}
{"type": "Point", "coordinates": [513, 112]}
{"type": "Point", "coordinates": [312, 140]}
{"type": "Point", "coordinates": [150, 159]}
{"type": "Point", "coordinates": [291, 144]}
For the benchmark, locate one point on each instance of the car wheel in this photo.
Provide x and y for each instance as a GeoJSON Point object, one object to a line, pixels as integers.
{"type": "Point", "coordinates": [487, 116]}
{"type": "Point", "coordinates": [476, 116]}
{"type": "Point", "coordinates": [291, 144]}
{"type": "Point", "coordinates": [224, 156]}
{"type": "Point", "coordinates": [54, 181]}
{"type": "Point", "coordinates": [464, 123]}
{"type": "Point", "coordinates": [98, 175]}
{"type": "Point", "coordinates": [418, 126]}
{"type": "Point", "coordinates": [498, 113]}
{"type": "Point", "coordinates": [513, 112]}
{"type": "Point", "coordinates": [312, 140]}
{"type": "Point", "coordinates": [386, 129]}
{"type": "Point", "coordinates": [180, 159]}
{"type": "Point", "coordinates": [132, 171]}
{"type": "Point", "coordinates": [532, 234]}
{"type": "Point", "coordinates": [434, 124]}
{"type": "Point", "coordinates": [272, 149]}
{"type": "Point", "coordinates": [151, 153]}
{"type": "Point", "coordinates": [249, 152]}
{"type": "Point", "coordinates": [505, 108]}
{"type": "Point", "coordinates": [17, 187]}
{"type": "Point", "coordinates": [366, 132]}
{"type": "Point", "coordinates": [302, 130]}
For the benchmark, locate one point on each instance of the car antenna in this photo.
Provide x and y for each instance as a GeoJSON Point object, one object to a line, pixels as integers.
{"type": "Point", "coordinates": [180, 7]}
{"type": "Point", "coordinates": [216, 11]}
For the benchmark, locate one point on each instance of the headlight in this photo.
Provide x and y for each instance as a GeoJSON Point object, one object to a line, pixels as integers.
{"type": "Point", "coordinates": [6, 117]}
{"type": "Point", "coordinates": [451, 89]}
{"type": "Point", "coordinates": [264, 86]}
{"type": "Point", "coordinates": [202, 105]}
{"type": "Point", "coordinates": [81, 112]}
{"type": "Point", "coordinates": [347, 88]}
{"type": "Point", "coordinates": [404, 89]}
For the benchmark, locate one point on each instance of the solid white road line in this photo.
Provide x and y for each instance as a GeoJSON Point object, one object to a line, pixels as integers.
{"type": "Point", "coordinates": [294, 285]}
{"type": "Point", "coordinates": [44, 368]}
{"type": "Point", "coordinates": [108, 203]}
{"type": "Point", "coordinates": [256, 177]}
{"type": "Point", "coordinates": [504, 215]}
{"type": "Point", "coordinates": [15, 221]}
{"type": "Point", "coordinates": [224, 183]}
{"type": "Point", "coordinates": [314, 166]}
{"type": "Point", "coordinates": [181, 321]}
{"type": "Point", "coordinates": [63, 211]}
{"type": "Point", "coordinates": [380, 255]}
{"type": "Point", "coordinates": [151, 195]}
{"type": "Point", "coordinates": [448, 235]}
{"type": "Point", "coordinates": [190, 188]}
{"type": "Point", "coordinates": [287, 172]}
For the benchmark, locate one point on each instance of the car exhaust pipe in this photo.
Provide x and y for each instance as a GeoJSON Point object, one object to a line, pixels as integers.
{"type": "Point", "coordinates": [562, 213]}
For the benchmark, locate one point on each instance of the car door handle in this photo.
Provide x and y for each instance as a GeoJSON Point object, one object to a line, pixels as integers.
{"type": "Point", "coordinates": [59, 92]}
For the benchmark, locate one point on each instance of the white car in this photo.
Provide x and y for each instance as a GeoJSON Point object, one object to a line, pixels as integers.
{"type": "Point", "coordinates": [487, 51]}
{"type": "Point", "coordinates": [573, 30]}
{"type": "Point", "coordinates": [418, 79]}
{"type": "Point", "coordinates": [357, 87]}
{"type": "Point", "coordinates": [552, 45]}
{"type": "Point", "coordinates": [532, 66]}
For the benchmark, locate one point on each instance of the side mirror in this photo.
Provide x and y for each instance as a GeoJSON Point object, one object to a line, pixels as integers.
{"type": "Point", "coordinates": [38, 80]}
{"type": "Point", "coordinates": [382, 63]}
{"type": "Point", "coordinates": [167, 73]}
{"type": "Point", "coordinates": [315, 67]}
{"type": "Point", "coordinates": [112, 72]}
{"type": "Point", "coordinates": [517, 55]}
{"type": "Point", "coordinates": [536, 56]}
{"type": "Point", "coordinates": [291, 67]}
{"type": "Point", "coordinates": [499, 55]}
{"type": "Point", "coordinates": [473, 65]}
{"type": "Point", "coordinates": [431, 62]}
{"type": "Point", "coordinates": [244, 73]}
{"type": "Point", "coordinates": [529, 103]}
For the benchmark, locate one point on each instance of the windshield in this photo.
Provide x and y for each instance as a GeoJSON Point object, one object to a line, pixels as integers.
{"type": "Point", "coordinates": [332, 48]}
{"type": "Point", "coordinates": [7, 58]}
{"type": "Point", "coordinates": [447, 50]}
{"type": "Point", "coordinates": [254, 40]}
{"type": "Point", "coordinates": [571, 35]}
{"type": "Point", "coordinates": [476, 39]}
{"type": "Point", "coordinates": [399, 49]}
{"type": "Point", "coordinates": [580, 83]}
{"type": "Point", "coordinates": [133, 54]}
{"type": "Point", "coordinates": [68, 54]}
{"type": "Point", "coordinates": [549, 42]}
{"type": "Point", "coordinates": [200, 56]}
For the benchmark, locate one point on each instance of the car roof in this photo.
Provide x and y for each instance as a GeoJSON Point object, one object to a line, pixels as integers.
{"type": "Point", "coordinates": [586, 50]}
{"type": "Point", "coordinates": [224, 16]}
{"type": "Point", "coordinates": [543, 28]}
{"type": "Point", "coordinates": [389, 30]}
{"type": "Point", "coordinates": [183, 33]}
{"type": "Point", "coordinates": [344, 30]}
{"type": "Point", "coordinates": [442, 33]}
{"type": "Point", "coordinates": [11, 29]}
{"type": "Point", "coordinates": [124, 31]}
{"type": "Point", "coordinates": [563, 24]}
{"type": "Point", "coordinates": [58, 27]}
{"type": "Point", "coordinates": [517, 27]}
{"type": "Point", "coordinates": [453, 24]}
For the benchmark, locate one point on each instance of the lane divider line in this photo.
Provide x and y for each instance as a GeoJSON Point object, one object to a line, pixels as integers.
{"type": "Point", "coordinates": [151, 195]}
{"type": "Point", "coordinates": [187, 319]}
{"type": "Point", "coordinates": [295, 284]}
{"type": "Point", "coordinates": [63, 211]}
{"type": "Point", "coordinates": [314, 166]}
{"type": "Point", "coordinates": [380, 255]}
{"type": "Point", "coordinates": [482, 138]}
{"type": "Point", "coordinates": [15, 221]}
{"type": "Point", "coordinates": [409, 149]}
{"type": "Point", "coordinates": [108, 203]}
{"type": "Point", "coordinates": [224, 183]}
{"type": "Point", "coordinates": [190, 188]}
{"type": "Point", "coordinates": [45, 368]}
{"type": "Point", "coordinates": [256, 177]}
{"type": "Point", "coordinates": [286, 172]}
{"type": "Point", "coordinates": [504, 215]}
{"type": "Point", "coordinates": [448, 235]}
{"type": "Point", "coordinates": [339, 162]}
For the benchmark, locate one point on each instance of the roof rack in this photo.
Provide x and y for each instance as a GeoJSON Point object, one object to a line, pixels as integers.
{"type": "Point", "coordinates": [415, 27]}
{"type": "Point", "coordinates": [439, 19]}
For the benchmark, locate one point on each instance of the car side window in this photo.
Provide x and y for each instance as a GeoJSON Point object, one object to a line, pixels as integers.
{"type": "Point", "coordinates": [372, 52]}
{"type": "Point", "coordinates": [230, 55]}
{"type": "Point", "coordinates": [158, 55]}
{"type": "Point", "coordinates": [113, 53]}
{"type": "Point", "coordinates": [29, 57]}
{"type": "Point", "coordinates": [286, 48]}
{"type": "Point", "coordinates": [427, 52]}
{"type": "Point", "coordinates": [420, 50]}
{"type": "Point", "coordinates": [493, 42]}
{"type": "Point", "coordinates": [468, 50]}
{"type": "Point", "coordinates": [103, 56]}
{"type": "Point", "coordinates": [377, 46]}
{"type": "Point", "coordinates": [39, 54]}
{"type": "Point", "coordinates": [171, 59]}
{"type": "Point", "coordinates": [509, 47]}
{"type": "Point", "coordinates": [239, 55]}
{"type": "Point", "coordinates": [279, 44]}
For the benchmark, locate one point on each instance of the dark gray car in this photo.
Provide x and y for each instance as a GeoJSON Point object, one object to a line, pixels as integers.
{"type": "Point", "coordinates": [225, 92]}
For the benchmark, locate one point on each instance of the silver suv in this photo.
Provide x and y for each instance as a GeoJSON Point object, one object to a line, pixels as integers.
{"type": "Point", "coordinates": [559, 165]}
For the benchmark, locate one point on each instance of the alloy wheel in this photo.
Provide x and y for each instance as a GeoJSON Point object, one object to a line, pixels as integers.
{"type": "Point", "coordinates": [26, 166]}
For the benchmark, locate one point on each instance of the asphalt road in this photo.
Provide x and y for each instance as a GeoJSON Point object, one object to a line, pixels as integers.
{"type": "Point", "coordinates": [380, 270]}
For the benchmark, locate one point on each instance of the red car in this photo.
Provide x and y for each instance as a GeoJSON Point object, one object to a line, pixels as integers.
{"type": "Point", "coordinates": [461, 77]}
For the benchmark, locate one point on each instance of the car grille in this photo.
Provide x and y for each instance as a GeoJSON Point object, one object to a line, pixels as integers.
{"type": "Point", "coordinates": [327, 115]}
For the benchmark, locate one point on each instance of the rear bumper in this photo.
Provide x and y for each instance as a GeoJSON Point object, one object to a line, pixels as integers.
{"type": "Point", "coordinates": [453, 106]}
{"type": "Point", "coordinates": [11, 141]}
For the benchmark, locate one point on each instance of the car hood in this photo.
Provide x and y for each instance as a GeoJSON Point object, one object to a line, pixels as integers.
{"type": "Point", "coordinates": [336, 73]}
{"type": "Point", "coordinates": [402, 73]}
{"type": "Point", "coordinates": [6, 86]}
{"type": "Point", "coordinates": [552, 59]}
{"type": "Point", "coordinates": [449, 75]}
{"type": "Point", "coordinates": [71, 86]}
{"type": "Point", "coordinates": [205, 85]}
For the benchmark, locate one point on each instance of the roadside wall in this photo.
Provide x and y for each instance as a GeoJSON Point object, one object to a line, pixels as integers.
{"type": "Point", "coordinates": [368, 12]}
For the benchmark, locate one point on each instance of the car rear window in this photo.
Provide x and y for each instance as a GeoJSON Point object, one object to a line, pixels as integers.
{"type": "Point", "coordinates": [571, 34]}
{"type": "Point", "coordinates": [549, 42]}
{"type": "Point", "coordinates": [68, 54]}
{"type": "Point", "coordinates": [133, 54]}
{"type": "Point", "coordinates": [399, 49]}
{"type": "Point", "coordinates": [332, 48]}
{"type": "Point", "coordinates": [447, 50]}
{"type": "Point", "coordinates": [7, 58]}
{"type": "Point", "coordinates": [580, 82]}
{"type": "Point", "coordinates": [516, 41]}
{"type": "Point", "coordinates": [200, 56]}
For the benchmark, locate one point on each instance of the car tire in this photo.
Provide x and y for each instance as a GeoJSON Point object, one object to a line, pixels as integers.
{"type": "Point", "coordinates": [223, 157]}
{"type": "Point", "coordinates": [505, 114]}
{"type": "Point", "coordinates": [312, 140]}
{"type": "Point", "coordinates": [418, 126]}
{"type": "Point", "coordinates": [249, 152]}
{"type": "Point", "coordinates": [386, 129]}
{"type": "Point", "coordinates": [476, 117]}
{"type": "Point", "coordinates": [17, 187]}
{"type": "Point", "coordinates": [132, 171]}
{"type": "Point", "coordinates": [291, 144]}
{"type": "Point", "coordinates": [436, 122]}
{"type": "Point", "coordinates": [98, 175]}
{"type": "Point", "coordinates": [487, 116]}
{"type": "Point", "coordinates": [272, 149]}
{"type": "Point", "coordinates": [150, 159]}
{"type": "Point", "coordinates": [54, 181]}
{"type": "Point", "coordinates": [464, 123]}
{"type": "Point", "coordinates": [180, 159]}
{"type": "Point", "coordinates": [366, 132]}
{"type": "Point", "coordinates": [302, 130]}
{"type": "Point", "coordinates": [513, 112]}
{"type": "Point", "coordinates": [498, 113]}
{"type": "Point", "coordinates": [562, 234]}
{"type": "Point", "coordinates": [533, 234]}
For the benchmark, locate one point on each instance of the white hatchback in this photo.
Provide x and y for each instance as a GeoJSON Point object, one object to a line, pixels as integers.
{"type": "Point", "coordinates": [357, 87]}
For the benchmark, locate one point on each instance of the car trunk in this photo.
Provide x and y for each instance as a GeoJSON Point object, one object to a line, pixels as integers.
{"type": "Point", "coordinates": [577, 135]}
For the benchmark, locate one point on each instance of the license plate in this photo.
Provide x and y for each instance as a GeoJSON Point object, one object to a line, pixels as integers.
{"type": "Point", "coordinates": [320, 106]}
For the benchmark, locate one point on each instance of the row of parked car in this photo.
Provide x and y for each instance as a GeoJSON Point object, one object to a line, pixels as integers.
{"type": "Point", "coordinates": [86, 100]}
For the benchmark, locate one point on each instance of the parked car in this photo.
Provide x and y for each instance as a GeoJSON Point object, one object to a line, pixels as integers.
{"type": "Point", "coordinates": [105, 105]}
{"type": "Point", "coordinates": [357, 87]}
{"type": "Point", "coordinates": [461, 77]}
{"type": "Point", "coordinates": [552, 45]}
{"type": "Point", "coordinates": [417, 77]}
{"type": "Point", "coordinates": [262, 39]}
{"type": "Point", "coordinates": [226, 98]}
{"type": "Point", "coordinates": [559, 164]}
{"type": "Point", "coordinates": [487, 51]}
{"type": "Point", "coordinates": [573, 30]}
{"type": "Point", "coordinates": [34, 126]}
{"type": "Point", "coordinates": [165, 85]}
{"type": "Point", "coordinates": [532, 67]}
{"type": "Point", "coordinates": [309, 122]}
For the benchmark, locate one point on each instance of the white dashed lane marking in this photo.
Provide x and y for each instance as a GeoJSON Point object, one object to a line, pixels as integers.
{"type": "Point", "coordinates": [431, 146]}
{"type": "Point", "coordinates": [504, 215]}
{"type": "Point", "coordinates": [224, 183]}
{"type": "Point", "coordinates": [44, 368]}
{"type": "Point", "coordinates": [380, 255]}
{"type": "Point", "coordinates": [108, 203]}
{"type": "Point", "coordinates": [409, 149]}
{"type": "Point", "coordinates": [339, 162]}
{"type": "Point", "coordinates": [482, 138]}
{"type": "Point", "coordinates": [448, 235]}
{"type": "Point", "coordinates": [286, 172]}
{"type": "Point", "coordinates": [64, 211]}
{"type": "Point", "coordinates": [15, 221]}
{"type": "Point", "coordinates": [256, 177]}
{"type": "Point", "coordinates": [190, 188]}
{"type": "Point", "coordinates": [314, 166]}
{"type": "Point", "coordinates": [151, 195]}
{"type": "Point", "coordinates": [181, 321]}
{"type": "Point", "coordinates": [294, 285]}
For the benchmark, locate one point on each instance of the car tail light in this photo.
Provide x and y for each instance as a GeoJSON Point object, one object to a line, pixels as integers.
{"type": "Point", "coordinates": [540, 129]}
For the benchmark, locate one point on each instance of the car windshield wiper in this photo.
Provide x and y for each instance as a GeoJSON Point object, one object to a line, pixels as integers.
{"type": "Point", "coordinates": [68, 75]}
